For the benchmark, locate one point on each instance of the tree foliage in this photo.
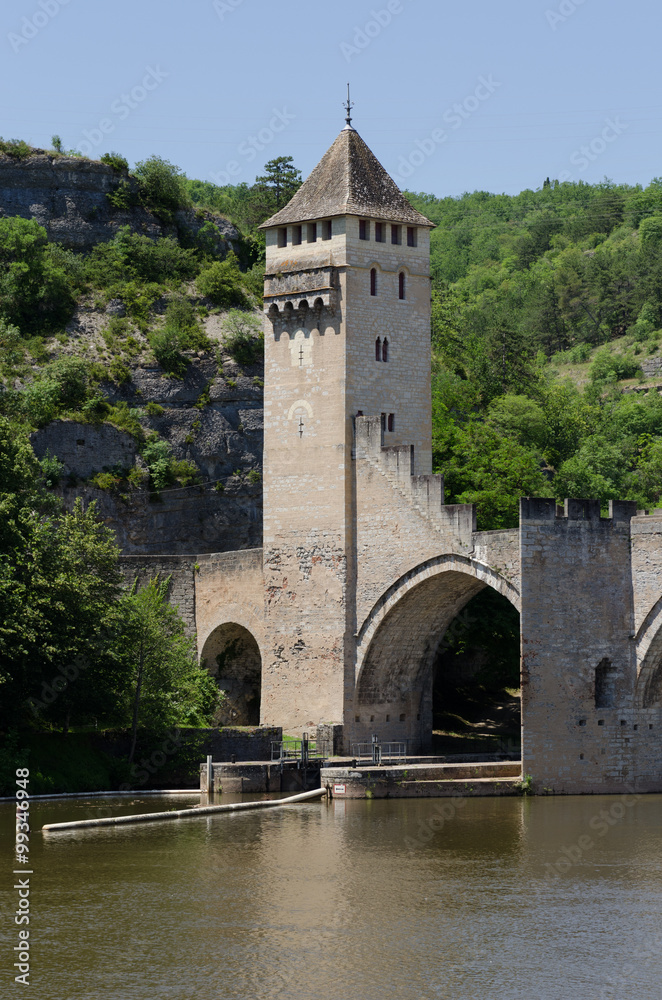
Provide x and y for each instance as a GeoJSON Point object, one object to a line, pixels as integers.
{"type": "Point", "coordinates": [165, 684]}
{"type": "Point", "coordinates": [162, 185]}
{"type": "Point", "coordinates": [35, 291]}
{"type": "Point", "coordinates": [69, 633]}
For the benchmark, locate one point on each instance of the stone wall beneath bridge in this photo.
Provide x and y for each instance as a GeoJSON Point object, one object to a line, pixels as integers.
{"type": "Point", "coordinates": [181, 589]}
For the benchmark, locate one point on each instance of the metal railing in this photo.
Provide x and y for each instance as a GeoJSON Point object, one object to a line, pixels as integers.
{"type": "Point", "coordinates": [377, 752]}
{"type": "Point", "coordinates": [301, 751]}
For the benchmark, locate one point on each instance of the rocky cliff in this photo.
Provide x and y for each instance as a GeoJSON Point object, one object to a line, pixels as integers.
{"type": "Point", "coordinates": [211, 417]}
{"type": "Point", "coordinates": [68, 196]}
{"type": "Point", "coordinates": [222, 437]}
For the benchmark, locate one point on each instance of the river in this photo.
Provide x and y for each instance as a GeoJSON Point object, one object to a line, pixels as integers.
{"type": "Point", "coordinates": [532, 898]}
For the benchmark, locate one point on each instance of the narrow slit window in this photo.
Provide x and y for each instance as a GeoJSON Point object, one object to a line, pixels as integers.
{"type": "Point", "coordinates": [411, 236]}
{"type": "Point", "coordinates": [391, 422]}
{"type": "Point", "coordinates": [385, 350]}
{"type": "Point", "coordinates": [379, 232]}
{"type": "Point", "coordinates": [373, 281]}
{"type": "Point", "coordinates": [327, 230]}
{"type": "Point", "coordinates": [282, 236]}
{"type": "Point", "coordinates": [401, 285]}
{"type": "Point", "coordinates": [364, 231]}
{"type": "Point", "coordinates": [378, 349]}
{"type": "Point", "coordinates": [312, 232]}
{"type": "Point", "coordinates": [395, 235]}
{"type": "Point", "coordinates": [296, 235]}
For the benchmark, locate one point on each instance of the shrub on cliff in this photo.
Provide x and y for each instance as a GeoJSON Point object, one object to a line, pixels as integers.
{"type": "Point", "coordinates": [116, 161]}
{"type": "Point", "coordinates": [35, 291]}
{"type": "Point", "coordinates": [608, 367]}
{"type": "Point", "coordinates": [221, 282]}
{"type": "Point", "coordinates": [62, 385]}
{"type": "Point", "coordinates": [242, 337]}
{"type": "Point", "coordinates": [130, 257]}
{"type": "Point", "coordinates": [162, 186]}
{"type": "Point", "coordinates": [18, 149]}
{"type": "Point", "coordinates": [180, 332]}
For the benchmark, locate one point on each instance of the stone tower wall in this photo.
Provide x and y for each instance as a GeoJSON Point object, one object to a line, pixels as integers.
{"type": "Point", "coordinates": [582, 728]}
{"type": "Point", "coordinates": [401, 385]}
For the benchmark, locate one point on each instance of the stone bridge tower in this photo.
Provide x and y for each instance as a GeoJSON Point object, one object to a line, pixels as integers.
{"type": "Point", "coordinates": [347, 334]}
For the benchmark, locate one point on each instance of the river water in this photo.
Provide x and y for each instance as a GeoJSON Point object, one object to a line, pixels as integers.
{"type": "Point", "coordinates": [536, 898]}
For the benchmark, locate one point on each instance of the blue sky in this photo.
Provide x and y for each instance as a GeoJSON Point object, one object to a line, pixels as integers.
{"type": "Point", "coordinates": [450, 97]}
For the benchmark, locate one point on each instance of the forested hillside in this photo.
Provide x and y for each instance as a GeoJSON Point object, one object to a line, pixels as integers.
{"type": "Point", "coordinates": [545, 307]}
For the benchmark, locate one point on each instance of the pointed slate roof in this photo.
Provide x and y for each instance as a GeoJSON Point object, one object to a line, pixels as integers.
{"type": "Point", "coordinates": [348, 180]}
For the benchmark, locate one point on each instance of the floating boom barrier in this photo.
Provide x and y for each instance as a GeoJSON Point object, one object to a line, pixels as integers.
{"type": "Point", "coordinates": [87, 824]}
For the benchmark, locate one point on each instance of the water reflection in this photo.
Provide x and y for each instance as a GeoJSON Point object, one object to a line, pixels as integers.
{"type": "Point", "coordinates": [389, 899]}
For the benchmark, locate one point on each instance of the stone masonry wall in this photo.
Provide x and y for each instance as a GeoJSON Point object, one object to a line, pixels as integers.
{"type": "Point", "coordinates": [229, 589]}
{"type": "Point", "coordinates": [181, 590]}
{"type": "Point", "coordinates": [581, 729]}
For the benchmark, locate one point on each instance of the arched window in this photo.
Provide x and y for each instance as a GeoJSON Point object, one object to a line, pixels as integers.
{"type": "Point", "coordinates": [385, 350]}
{"type": "Point", "coordinates": [373, 281]}
{"type": "Point", "coordinates": [378, 349]}
{"type": "Point", "coordinates": [401, 285]}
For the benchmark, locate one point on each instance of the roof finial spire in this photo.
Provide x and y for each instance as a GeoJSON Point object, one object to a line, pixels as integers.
{"type": "Point", "coordinates": [348, 108]}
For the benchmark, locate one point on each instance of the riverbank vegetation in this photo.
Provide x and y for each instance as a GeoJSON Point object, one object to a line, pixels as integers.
{"type": "Point", "coordinates": [76, 646]}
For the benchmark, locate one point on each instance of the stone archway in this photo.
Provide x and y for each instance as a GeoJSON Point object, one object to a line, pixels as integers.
{"type": "Point", "coordinates": [232, 655]}
{"type": "Point", "coordinates": [398, 644]}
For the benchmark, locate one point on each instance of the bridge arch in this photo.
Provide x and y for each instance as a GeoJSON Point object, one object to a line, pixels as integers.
{"type": "Point", "coordinates": [648, 688]}
{"type": "Point", "coordinates": [399, 640]}
{"type": "Point", "coordinates": [232, 656]}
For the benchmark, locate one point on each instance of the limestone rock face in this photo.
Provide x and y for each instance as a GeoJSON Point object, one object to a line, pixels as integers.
{"type": "Point", "coordinates": [68, 197]}
{"type": "Point", "coordinates": [81, 447]}
{"type": "Point", "coordinates": [223, 438]}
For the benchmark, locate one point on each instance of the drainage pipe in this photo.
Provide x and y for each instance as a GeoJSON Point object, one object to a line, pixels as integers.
{"type": "Point", "coordinates": [82, 824]}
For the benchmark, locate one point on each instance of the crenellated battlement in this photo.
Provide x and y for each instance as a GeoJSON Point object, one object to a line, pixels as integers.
{"type": "Point", "coordinates": [541, 509]}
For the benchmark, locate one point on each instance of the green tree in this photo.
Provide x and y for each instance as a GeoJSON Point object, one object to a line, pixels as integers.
{"type": "Point", "coordinates": [281, 178]}
{"type": "Point", "coordinates": [166, 685]}
{"type": "Point", "coordinates": [162, 185]}
{"type": "Point", "coordinates": [58, 583]}
{"type": "Point", "coordinates": [35, 293]}
{"type": "Point", "coordinates": [221, 283]}
{"type": "Point", "coordinates": [242, 337]}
